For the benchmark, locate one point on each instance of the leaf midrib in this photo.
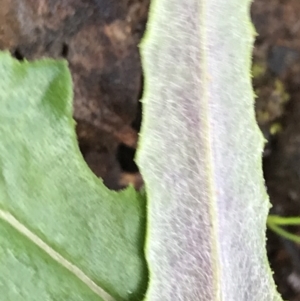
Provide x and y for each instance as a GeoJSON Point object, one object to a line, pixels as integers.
{"type": "Point", "coordinates": [17, 225]}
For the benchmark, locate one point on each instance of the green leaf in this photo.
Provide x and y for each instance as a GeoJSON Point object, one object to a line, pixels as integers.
{"type": "Point", "coordinates": [274, 222]}
{"type": "Point", "coordinates": [63, 234]}
{"type": "Point", "coordinates": [201, 155]}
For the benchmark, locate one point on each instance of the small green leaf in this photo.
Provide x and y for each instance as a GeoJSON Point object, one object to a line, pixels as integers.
{"type": "Point", "coordinates": [63, 234]}
{"type": "Point", "coordinates": [274, 222]}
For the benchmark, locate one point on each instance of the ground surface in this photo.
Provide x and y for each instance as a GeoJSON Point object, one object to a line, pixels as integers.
{"type": "Point", "coordinates": [99, 39]}
{"type": "Point", "coordinates": [277, 64]}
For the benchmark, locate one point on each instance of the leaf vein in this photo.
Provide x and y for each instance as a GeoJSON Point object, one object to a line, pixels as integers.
{"type": "Point", "coordinates": [11, 220]}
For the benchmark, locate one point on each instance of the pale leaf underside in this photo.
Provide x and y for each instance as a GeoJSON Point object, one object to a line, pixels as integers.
{"type": "Point", "coordinates": [200, 155]}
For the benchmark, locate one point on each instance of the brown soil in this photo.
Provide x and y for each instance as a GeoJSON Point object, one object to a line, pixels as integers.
{"type": "Point", "coordinates": [277, 52]}
{"type": "Point", "coordinates": [99, 39]}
